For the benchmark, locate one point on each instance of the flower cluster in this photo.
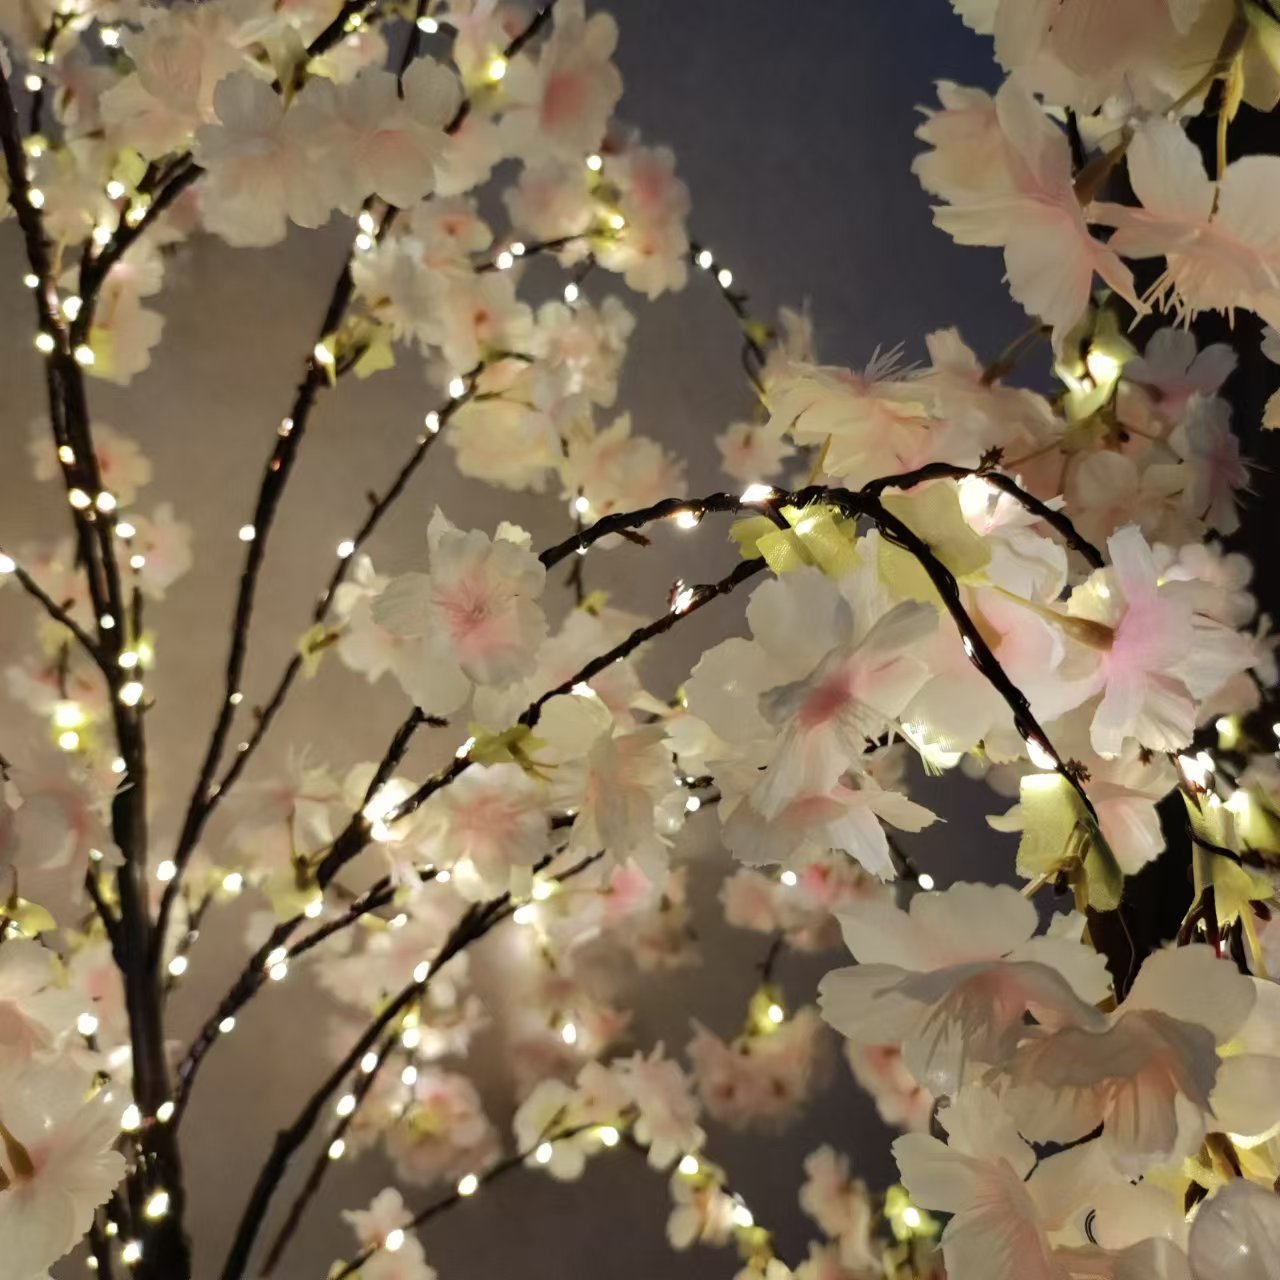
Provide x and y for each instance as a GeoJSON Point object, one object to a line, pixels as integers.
{"type": "Point", "coordinates": [955, 573]}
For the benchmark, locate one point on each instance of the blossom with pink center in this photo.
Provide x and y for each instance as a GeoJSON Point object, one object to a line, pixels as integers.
{"type": "Point", "coordinates": [443, 1132]}
{"type": "Point", "coordinates": [616, 470]}
{"type": "Point", "coordinates": [558, 105]}
{"type": "Point", "coordinates": [122, 465]}
{"type": "Point", "coordinates": [1220, 246]}
{"type": "Point", "coordinates": [953, 978]}
{"type": "Point", "coordinates": [164, 543]}
{"type": "Point", "coordinates": [841, 1206]}
{"type": "Point", "coordinates": [651, 248]}
{"type": "Point", "coordinates": [1174, 370]}
{"type": "Point", "coordinates": [668, 1112]}
{"type": "Point", "coordinates": [57, 1164]}
{"type": "Point", "coordinates": [380, 134]}
{"type": "Point", "coordinates": [553, 201]}
{"type": "Point", "coordinates": [35, 1009]}
{"type": "Point", "coordinates": [474, 618]}
{"type": "Point", "coordinates": [179, 56]}
{"type": "Point", "coordinates": [900, 1099]}
{"type": "Point", "coordinates": [849, 818]}
{"type": "Point", "coordinates": [1146, 1072]}
{"type": "Point", "coordinates": [1028, 207]}
{"type": "Point", "coordinates": [1156, 654]}
{"type": "Point", "coordinates": [751, 451]}
{"type": "Point", "coordinates": [1013, 1218]}
{"type": "Point", "coordinates": [1205, 440]}
{"type": "Point", "coordinates": [496, 817]}
{"type": "Point", "coordinates": [761, 1080]}
{"type": "Point", "coordinates": [261, 165]}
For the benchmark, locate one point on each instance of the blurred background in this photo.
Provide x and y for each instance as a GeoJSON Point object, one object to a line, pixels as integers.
{"type": "Point", "coordinates": [793, 126]}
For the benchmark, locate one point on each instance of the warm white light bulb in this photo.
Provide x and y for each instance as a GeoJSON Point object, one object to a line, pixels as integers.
{"type": "Point", "coordinates": [158, 1205]}
{"type": "Point", "coordinates": [178, 966]}
{"type": "Point", "coordinates": [166, 870]}
{"type": "Point", "coordinates": [544, 1153]}
{"type": "Point", "coordinates": [1039, 754]}
{"type": "Point", "coordinates": [394, 1240]}
{"type": "Point", "coordinates": [468, 1184]}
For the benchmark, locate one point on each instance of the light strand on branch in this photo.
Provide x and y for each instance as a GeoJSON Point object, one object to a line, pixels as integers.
{"type": "Point", "coordinates": [475, 923]}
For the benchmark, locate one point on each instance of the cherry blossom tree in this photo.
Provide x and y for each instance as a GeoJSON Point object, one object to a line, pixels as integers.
{"type": "Point", "coordinates": [944, 570]}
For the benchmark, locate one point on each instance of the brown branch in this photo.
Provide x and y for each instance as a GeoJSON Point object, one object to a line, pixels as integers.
{"type": "Point", "coordinates": [60, 615]}
{"type": "Point", "coordinates": [356, 835]}
{"type": "Point", "coordinates": [477, 921]}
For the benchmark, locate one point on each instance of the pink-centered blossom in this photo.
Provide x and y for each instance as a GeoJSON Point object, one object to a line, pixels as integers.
{"type": "Point", "coordinates": [1029, 208]}
{"type": "Point", "coordinates": [474, 617]}
{"type": "Point", "coordinates": [57, 1164]}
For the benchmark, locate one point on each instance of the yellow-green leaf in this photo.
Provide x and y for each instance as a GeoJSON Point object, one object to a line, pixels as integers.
{"type": "Point", "coordinates": [933, 513]}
